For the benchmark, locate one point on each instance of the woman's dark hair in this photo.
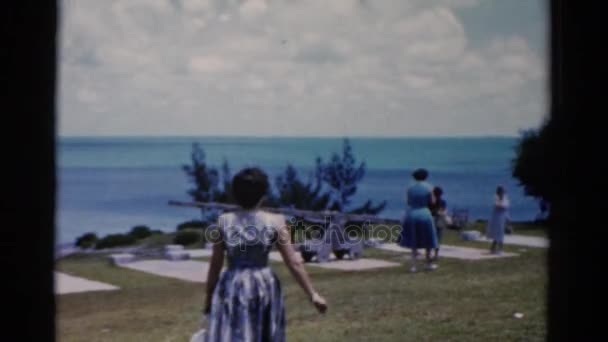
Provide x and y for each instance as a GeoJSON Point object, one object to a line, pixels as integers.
{"type": "Point", "coordinates": [249, 186]}
{"type": "Point", "coordinates": [420, 174]}
{"type": "Point", "coordinates": [500, 189]}
{"type": "Point", "coordinates": [437, 191]}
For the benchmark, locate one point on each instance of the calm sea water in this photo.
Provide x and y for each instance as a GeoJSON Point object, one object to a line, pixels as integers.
{"type": "Point", "coordinates": [108, 185]}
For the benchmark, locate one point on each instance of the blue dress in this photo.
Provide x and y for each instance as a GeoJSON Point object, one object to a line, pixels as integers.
{"type": "Point", "coordinates": [418, 227]}
{"type": "Point", "coordinates": [496, 225]}
{"type": "Point", "coordinates": [247, 303]}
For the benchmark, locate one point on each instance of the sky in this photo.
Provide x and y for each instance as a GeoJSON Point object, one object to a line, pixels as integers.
{"type": "Point", "coordinates": [302, 67]}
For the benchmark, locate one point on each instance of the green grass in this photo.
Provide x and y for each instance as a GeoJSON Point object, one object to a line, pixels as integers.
{"type": "Point", "coordinates": [462, 301]}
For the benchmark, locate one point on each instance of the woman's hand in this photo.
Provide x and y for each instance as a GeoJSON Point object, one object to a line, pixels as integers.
{"type": "Point", "coordinates": [319, 302]}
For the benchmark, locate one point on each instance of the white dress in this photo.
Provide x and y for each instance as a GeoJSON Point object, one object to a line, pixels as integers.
{"type": "Point", "coordinates": [496, 226]}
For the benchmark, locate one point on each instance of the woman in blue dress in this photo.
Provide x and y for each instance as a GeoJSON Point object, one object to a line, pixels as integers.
{"type": "Point", "coordinates": [419, 227]}
{"type": "Point", "coordinates": [496, 226]}
{"type": "Point", "coordinates": [245, 302]}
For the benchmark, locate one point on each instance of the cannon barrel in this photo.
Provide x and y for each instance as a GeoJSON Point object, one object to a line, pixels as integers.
{"type": "Point", "coordinates": [334, 240]}
{"type": "Point", "coordinates": [306, 214]}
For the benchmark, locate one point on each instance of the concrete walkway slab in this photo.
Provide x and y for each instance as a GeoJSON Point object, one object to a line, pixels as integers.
{"type": "Point", "coordinates": [188, 270]}
{"type": "Point", "coordinates": [447, 251]}
{"type": "Point", "coordinates": [65, 283]}
{"type": "Point", "coordinates": [199, 253]}
{"type": "Point", "coordinates": [344, 265]}
{"type": "Point", "coordinates": [196, 271]}
{"type": "Point", "coordinates": [522, 240]}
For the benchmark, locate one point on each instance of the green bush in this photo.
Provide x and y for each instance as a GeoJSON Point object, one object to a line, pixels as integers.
{"type": "Point", "coordinates": [87, 240]}
{"type": "Point", "coordinates": [156, 232]}
{"type": "Point", "coordinates": [140, 232]}
{"type": "Point", "coordinates": [157, 240]}
{"type": "Point", "coordinates": [193, 224]}
{"type": "Point", "coordinates": [187, 237]}
{"type": "Point", "coordinates": [115, 240]}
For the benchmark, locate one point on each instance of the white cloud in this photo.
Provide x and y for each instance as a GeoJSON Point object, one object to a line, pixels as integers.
{"type": "Point", "coordinates": [418, 82]}
{"type": "Point", "coordinates": [253, 8]}
{"type": "Point", "coordinates": [209, 64]}
{"type": "Point", "coordinates": [256, 67]}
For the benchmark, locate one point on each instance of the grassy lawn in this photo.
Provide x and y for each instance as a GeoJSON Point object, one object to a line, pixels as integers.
{"type": "Point", "coordinates": [462, 301]}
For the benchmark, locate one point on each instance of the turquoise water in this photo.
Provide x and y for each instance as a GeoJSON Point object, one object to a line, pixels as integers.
{"type": "Point", "coordinates": [108, 185]}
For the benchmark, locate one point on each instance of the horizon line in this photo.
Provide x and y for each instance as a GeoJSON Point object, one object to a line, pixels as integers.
{"type": "Point", "coordinates": [461, 136]}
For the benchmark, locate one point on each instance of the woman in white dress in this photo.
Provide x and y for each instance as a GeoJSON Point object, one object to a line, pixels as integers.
{"type": "Point", "coordinates": [496, 226]}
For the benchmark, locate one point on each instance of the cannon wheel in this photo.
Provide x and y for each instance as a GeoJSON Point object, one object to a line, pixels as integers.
{"type": "Point", "coordinates": [355, 255]}
{"type": "Point", "coordinates": [307, 256]}
{"type": "Point", "coordinates": [339, 254]}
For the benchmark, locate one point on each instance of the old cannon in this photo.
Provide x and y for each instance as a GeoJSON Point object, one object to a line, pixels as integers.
{"type": "Point", "coordinates": [332, 237]}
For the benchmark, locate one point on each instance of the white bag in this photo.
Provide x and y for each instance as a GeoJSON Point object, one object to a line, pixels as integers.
{"type": "Point", "coordinates": [470, 235]}
{"type": "Point", "coordinates": [448, 220]}
{"type": "Point", "coordinates": [199, 336]}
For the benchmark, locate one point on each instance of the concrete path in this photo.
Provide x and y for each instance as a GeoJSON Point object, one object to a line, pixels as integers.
{"type": "Point", "coordinates": [522, 240]}
{"type": "Point", "coordinates": [188, 270]}
{"type": "Point", "coordinates": [196, 271]}
{"type": "Point", "coordinates": [65, 283]}
{"type": "Point", "coordinates": [344, 265]}
{"type": "Point", "coordinates": [199, 253]}
{"type": "Point", "coordinates": [447, 251]}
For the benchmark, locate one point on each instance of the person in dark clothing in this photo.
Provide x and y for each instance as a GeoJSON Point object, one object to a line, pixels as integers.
{"type": "Point", "coordinates": [438, 210]}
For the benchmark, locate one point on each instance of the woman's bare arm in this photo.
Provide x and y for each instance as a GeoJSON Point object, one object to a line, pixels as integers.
{"type": "Point", "coordinates": [296, 266]}
{"type": "Point", "coordinates": [215, 267]}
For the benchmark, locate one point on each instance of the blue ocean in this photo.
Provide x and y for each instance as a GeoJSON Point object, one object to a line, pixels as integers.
{"type": "Point", "coordinates": [110, 184]}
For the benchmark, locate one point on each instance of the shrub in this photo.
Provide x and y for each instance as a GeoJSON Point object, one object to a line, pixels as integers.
{"type": "Point", "coordinates": [87, 240]}
{"type": "Point", "coordinates": [140, 232]}
{"type": "Point", "coordinates": [115, 240]}
{"type": "Point", "coordinates": [187, 237]}
{"type": "Point", "coordinates": [193, 224]}
{"type": "Point", "coordinates": [157, 240]}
